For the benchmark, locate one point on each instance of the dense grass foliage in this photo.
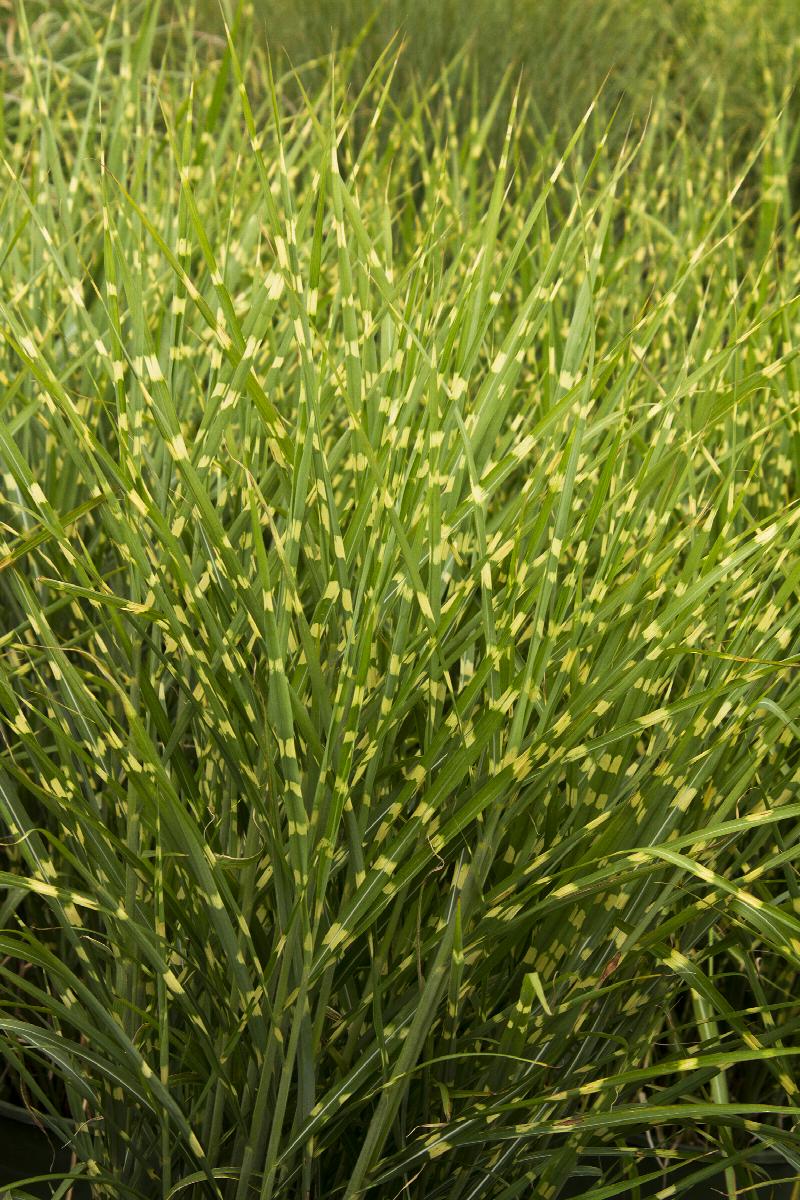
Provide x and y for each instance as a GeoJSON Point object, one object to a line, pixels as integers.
{"type": "Point", "coordinates": [399, 611]}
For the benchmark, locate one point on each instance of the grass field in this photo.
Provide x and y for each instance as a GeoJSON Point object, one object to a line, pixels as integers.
{"type": "Point", "coordinates": [399, 578]}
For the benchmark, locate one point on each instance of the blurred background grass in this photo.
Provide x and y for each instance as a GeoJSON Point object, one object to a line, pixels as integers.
{"type": "Point", "coordinates": [738, 55]}
{"type": "Point", "coordinates": [726, 64]}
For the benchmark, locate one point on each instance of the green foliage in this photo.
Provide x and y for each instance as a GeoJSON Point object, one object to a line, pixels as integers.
{"type": "Point", "coordinates": [399, 590]}
{"type": "Point", "coordinates": [694, 52]}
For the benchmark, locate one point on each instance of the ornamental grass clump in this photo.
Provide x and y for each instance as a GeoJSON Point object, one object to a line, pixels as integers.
{"type": "Point", "coordinates": [398, 653]}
